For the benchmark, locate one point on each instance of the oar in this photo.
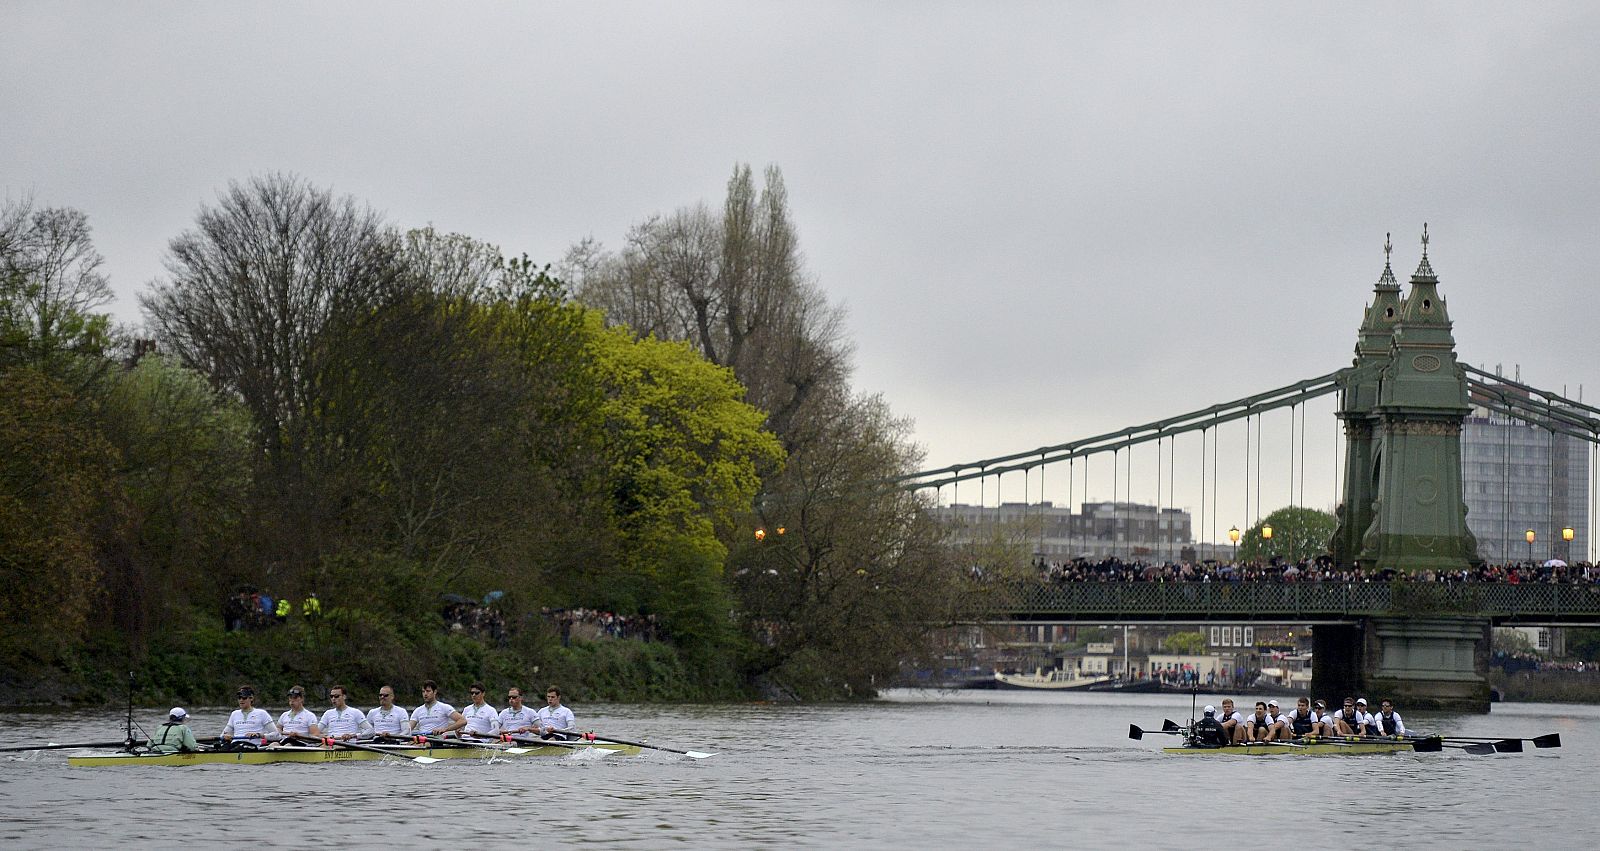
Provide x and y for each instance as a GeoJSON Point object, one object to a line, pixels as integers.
{"type": "Point", "coordinates": [1549, 740]}
{"type": "Point", "coordinates": [1134, 731]}
{"type": "Point", "coordinates": [357, 746]}
{"type": "Point", "coordinates": [596, 737]}
{"type": "Point", "coordinates": [1434, 744]}
{"type": "Point", "coordinates": [52, 746]}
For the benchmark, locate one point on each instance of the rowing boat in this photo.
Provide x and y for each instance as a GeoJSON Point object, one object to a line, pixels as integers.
{"type": "Point", "coordinates": [292, 753]}
{"type": "Point", "coordinates": [1304, 747]}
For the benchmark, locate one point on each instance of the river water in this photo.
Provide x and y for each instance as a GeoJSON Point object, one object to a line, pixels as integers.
{"type": "Point", "coordinates": [914, 770]}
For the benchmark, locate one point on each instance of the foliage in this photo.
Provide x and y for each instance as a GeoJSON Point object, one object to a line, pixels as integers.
{"type": "Point", "coordinates": [1584, 643]}
{"type": "Point", "coordinates": [1185, 643]}
{"type": "Point", "coordinates": [1507, 640]}
{"type": "Point", "coordinates": [1298, 534]}
{"type": "Point", "coordinates": [54, 474]}
{"type": "Point", "coordinates": [50, 285]}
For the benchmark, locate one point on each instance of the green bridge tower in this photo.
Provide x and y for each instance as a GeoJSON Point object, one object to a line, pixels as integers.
{"type": "Point", "coordinates": [1404, 507]}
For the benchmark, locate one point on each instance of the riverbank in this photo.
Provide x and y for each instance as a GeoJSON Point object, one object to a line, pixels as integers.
{"type": "Point", "coordinates": [208, 664]}
{"type": "Point", "coordinates": [1546, 686]}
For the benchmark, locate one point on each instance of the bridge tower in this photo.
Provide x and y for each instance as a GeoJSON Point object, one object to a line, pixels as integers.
{"type": "Point", "coordinates": [1404, 506]}
{"type": "Point", "coordinates": [1357, 402]}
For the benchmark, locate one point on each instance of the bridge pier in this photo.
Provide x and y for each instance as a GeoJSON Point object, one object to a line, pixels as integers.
{"type": "Point", "coordinates": [1420, 663]}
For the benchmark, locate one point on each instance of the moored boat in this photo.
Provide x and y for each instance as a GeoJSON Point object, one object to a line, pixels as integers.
{"type": "Point", "coordinates": [1055, 679]}
{"type": "Point", "coordinates": [268, 755]}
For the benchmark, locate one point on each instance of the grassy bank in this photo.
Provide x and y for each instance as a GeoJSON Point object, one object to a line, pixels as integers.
{"type": "Point", "coordinates": [207, 664]}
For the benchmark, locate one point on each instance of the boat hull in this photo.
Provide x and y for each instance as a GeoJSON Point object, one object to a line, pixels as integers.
{"type": "Point", "coordinates": [267, 756]}
{"type": "Point", "coordinates": [1316, 747]}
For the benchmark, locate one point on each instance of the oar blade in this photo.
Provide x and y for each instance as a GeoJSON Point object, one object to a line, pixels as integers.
{"type": "Point", "coordinates": [698, 754]}
{"type": "Point", "coordinates": [1134, 732]}
{"type": "Point", "coordinates": [1429, 745]}
{"type": "Point", "coordinates": [1169, 726]}
{"type": "Point", "coordinates": [424, 760]}
{"type": "Point", "coordinates": [1480, 749]}
{"type": "Point", "coordinates": [1508, 746]}
{"type": "Point", "coordinates": [1551, 740]}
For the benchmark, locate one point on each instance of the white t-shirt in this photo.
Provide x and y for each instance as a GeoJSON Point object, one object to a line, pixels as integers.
{"type": "Point", "coordinates": [1294, 715]}
{"type": "Point", "coordinates": [429, 719]}
{"type": "Point", "coordinates": [391, 721]}
{"type": "Point", "coordinates": [1356, 719]}
{"type": "Point", "coordinates": [254, 725]}
{"type": "Point", "coordinates": [1225, 717]}
{"type": "Point", "coordinates": [559, 717]}
{"type": "Point", "coordinates": [482, 721]}
{"type": "Point", "coordinates": [296, 722]}
{"type": "Point", "coordinates": [519, 720]}
{"type": "Point", "coordinates": [344, 722]}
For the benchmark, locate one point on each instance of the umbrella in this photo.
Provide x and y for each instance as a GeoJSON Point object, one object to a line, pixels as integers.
{"type": "Point", "coordinates": [1555, 562]}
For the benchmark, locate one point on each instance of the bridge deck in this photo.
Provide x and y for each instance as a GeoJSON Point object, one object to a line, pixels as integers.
{"type": "Point", "coordinates": [1117, 602]}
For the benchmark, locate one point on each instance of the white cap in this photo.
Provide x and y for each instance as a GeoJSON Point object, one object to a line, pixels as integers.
{"type": "Point", "coordinates": [177, 714]}
{"type": "Point", "coordinates": [1272, 702]}
{"type": "Point", "coordinates": [1361, 701]}
{"type": "Point", "coordinates": [1211, 710]}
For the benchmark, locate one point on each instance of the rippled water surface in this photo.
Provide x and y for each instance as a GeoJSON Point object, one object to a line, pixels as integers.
{"type": "Point", "coordinates": [917, 769]}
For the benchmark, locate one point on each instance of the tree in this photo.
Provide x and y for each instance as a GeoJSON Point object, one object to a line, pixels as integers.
{"type": "Point", "coordinates": [732, 285]}
{"type": "Point", "coordinates": [184, 474]}
{"type": "Point", "coordinates": [1185, 643]}
{"type": "Point", "coordinates": [253, 285]}
{"type": "Point", "coordinates": [861, 578]}
{"type": "Point", "coordinates": [50, 284]}
{"type": "Point", "coordinates": [56, 473]}
{"type": "Point", "coordinates": [1298, 534]}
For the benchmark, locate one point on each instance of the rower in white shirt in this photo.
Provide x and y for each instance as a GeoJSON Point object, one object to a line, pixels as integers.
{"type": "Point", "coordinates": [556, 720]}
{"type": "Point", "coordinates": [343, 722]}
{"type": "Point", "coordinates": [433, 716]}
{"type": "Point", "coordinates": [248, 723]}
{"type": "Point", "coordinates": [479, 720]}
{"type": "Point", "coordinates": [297, 722]}
{"type": "Point", "coordinates": [387, 720]}
{"type": "Point", "coordinates": [516, 719]}
{"type": "Point", "coordinates": [1232, 722]}
{"type": "Point", "coordinates": [1351, 720]}
{"type": "Point", "coordinates": [1388, 721]}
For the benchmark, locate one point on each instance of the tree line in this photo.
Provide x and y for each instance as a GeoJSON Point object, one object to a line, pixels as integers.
{"type": "Point", "coordinates": [338, 406]}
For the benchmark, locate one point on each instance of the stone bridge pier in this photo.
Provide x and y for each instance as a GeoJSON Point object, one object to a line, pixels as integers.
{"type": "Point", "coordinates": [1431, 663]}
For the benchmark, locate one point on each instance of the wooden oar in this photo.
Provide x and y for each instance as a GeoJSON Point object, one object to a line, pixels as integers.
{"type": "Point", "coordinates": [596, 737]}
{"type": "Point", "coordinates": [52, 746]}
{"type": "Point", "coordinates": [357, 746]}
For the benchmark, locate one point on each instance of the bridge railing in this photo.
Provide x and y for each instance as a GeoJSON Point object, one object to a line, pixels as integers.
{"type": "Point", "coordinates": [1311, 600]}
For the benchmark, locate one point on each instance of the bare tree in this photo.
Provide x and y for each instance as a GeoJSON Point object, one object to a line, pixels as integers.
{"type": "Point", "coordinates": [734, 286]}
{"type": "Point", "coordinates": [256, 280]}
{"type": "Point", "coordinates": [50, 278]}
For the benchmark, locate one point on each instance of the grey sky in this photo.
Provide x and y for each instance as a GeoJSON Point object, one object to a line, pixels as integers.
{"type": "Point", "coordinates": [1047, 220]}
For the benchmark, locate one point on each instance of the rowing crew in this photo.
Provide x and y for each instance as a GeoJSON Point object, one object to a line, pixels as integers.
{"type": "Point", "coordinates": [1269, 724]}
{"type": "Point", "coordinates": [432, 717]}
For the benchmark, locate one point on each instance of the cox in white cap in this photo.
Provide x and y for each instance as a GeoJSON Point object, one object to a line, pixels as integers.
{"type": "Point", "coordinates": [177, 714]}
{"type": "Point", "coordinates": [1273, 702]}
{"type": "Point", "coordinates": [1361, 701]}
{"type": "Point", "coordinates": [1211, 710]}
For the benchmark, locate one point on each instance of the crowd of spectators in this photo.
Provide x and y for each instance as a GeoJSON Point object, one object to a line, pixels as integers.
{"type": "Point", "coordinates": [594, 623]}
{"type": "Point", "coordinates": [1321, 569]}
{"type": "Point", "coordinates": [249, 610]}
{"type": "Point", "coordinates": [479, 619]}
{"type": "Point", "coordinates": [1511, 663]}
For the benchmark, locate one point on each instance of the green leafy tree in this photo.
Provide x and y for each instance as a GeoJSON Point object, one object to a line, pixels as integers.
{"type": "Point", "coordinates": [1185, 643]}
{"type": "Point", "coordinates": [56, 476]}
{"type": "Point", "coordinates": [50, 284]}
{"type": "Point", "coordinates": [1298, 534]}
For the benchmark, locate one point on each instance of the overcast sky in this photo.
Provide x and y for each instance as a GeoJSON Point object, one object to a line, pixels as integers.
{"type": "Point", "coordinates": [1046, 220]}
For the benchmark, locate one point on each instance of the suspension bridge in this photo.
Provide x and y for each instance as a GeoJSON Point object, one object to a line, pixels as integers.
{"type": "Point", "coordinates": [1402, 508]}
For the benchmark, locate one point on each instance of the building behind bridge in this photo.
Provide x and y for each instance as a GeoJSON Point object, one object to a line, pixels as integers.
{"type": "Point", "coordinates": [1126, 530]}
{"type": "Point", "coordinates": [1520, 476]}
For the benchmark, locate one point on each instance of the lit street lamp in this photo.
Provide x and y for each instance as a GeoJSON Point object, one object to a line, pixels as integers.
{"type": "Point", "coordinates": [1566, 537]}
{"type": "Point", "coordinates": [1530, 536]}
{"type": "Point", "coordinates": [1233, 535]}
{"type": "Point", "coordinates": [1266, 535]}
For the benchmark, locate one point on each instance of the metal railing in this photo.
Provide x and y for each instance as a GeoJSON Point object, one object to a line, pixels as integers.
{"type": "Point", "coordinates": [1286, 600]}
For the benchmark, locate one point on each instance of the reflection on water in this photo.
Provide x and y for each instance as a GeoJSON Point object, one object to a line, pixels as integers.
{"type": "Point", "coordinates": [918, 769]}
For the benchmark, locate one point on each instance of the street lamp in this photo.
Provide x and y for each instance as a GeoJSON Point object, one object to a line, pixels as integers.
{"type": "Point", "coordinates": [1566, 536]}
{"type": "Point", "coordinates": [1530, 536]}
{"type": "Point", "coordinates": [1233, 535]}
{"type": "Point", "coordinates": [1266, 535]}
